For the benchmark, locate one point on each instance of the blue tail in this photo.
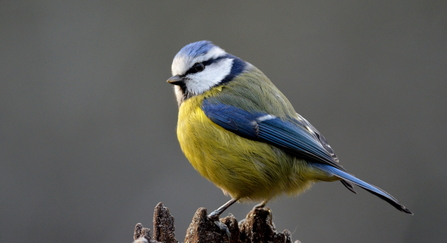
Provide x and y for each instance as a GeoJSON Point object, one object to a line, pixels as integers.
{"type": "Point", "coordinates": [371, 188]}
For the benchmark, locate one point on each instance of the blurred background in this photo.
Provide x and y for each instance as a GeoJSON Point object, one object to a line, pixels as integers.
{"type": "Point", "coordinates": [87, 122]}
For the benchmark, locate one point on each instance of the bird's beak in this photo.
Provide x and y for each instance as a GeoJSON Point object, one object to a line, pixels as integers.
{"type": "Point", "coordinates": [175, 80]}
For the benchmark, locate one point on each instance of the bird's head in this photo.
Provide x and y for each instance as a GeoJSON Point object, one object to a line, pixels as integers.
{"type": "Point", "coordinates": [201, 65]}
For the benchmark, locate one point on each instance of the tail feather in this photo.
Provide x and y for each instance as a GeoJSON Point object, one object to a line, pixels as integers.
{"type": "Point", "coordinates": [370, 188]}
{"type": "Point", "coordinates": [348, 185]}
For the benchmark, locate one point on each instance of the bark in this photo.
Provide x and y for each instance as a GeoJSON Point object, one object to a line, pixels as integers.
{"type": "Point", "coordinates": [256, 227]}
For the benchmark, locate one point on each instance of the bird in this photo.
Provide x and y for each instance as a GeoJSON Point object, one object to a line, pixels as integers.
{"type": "Point", "coordinates": [239, 131]}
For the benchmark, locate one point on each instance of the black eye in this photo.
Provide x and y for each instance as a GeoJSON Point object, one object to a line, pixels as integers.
{"type": "Point", "coordinates": [198, 67]}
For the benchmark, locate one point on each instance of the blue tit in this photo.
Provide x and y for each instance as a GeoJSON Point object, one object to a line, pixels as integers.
{"type": "Point", "coordinates": [241, 133]}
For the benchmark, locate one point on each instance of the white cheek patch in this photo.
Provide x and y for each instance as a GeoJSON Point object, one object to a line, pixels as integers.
{"type": "Point", "coordinates": [213, 74]}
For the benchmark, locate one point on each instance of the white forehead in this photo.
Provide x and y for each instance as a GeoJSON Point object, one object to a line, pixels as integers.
{"type": "Point", "coordinates": [182, 63]}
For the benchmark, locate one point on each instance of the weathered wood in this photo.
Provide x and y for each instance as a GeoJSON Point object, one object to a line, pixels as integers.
{"type": "Point", "coordinates": [202, 229]}
{"type": "Point", "coordinates": [164, 229]}
{"type": "Point", "coordinates": [256, 227]}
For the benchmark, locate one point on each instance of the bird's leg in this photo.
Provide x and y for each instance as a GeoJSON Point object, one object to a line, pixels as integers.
{"type": "Point", "coordinates": [261, 205]}
{"type": "Point", "coordinates": [216, 213]}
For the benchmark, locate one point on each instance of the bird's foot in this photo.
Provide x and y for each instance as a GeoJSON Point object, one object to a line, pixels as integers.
{"type": "Point", "coordinates": [214, 215]}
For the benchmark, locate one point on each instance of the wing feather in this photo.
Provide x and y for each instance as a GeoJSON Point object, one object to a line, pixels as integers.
{"type": "Point", "coordinates": [294, 135]}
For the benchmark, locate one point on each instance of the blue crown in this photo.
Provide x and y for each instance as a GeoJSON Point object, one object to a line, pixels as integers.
{"type": "Point", "coordinates": [195, 49]}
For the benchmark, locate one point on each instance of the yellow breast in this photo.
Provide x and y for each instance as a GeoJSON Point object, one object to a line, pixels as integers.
{"type": "Point", "coordinates": [243, 168]}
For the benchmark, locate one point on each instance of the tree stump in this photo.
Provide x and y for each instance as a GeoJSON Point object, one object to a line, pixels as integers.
{"type": "Point", "coordinates": [256, 227]}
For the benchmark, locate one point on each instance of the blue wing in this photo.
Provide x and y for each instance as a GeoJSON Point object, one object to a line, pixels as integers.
{"type": "Point", "coordinates": [296, 136]}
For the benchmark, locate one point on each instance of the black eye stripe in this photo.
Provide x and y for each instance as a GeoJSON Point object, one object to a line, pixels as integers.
{"type": "Point", "coordinates": [195, 69]}
{"type": "Point", "coordinates": [200, 66]}
{"type": "Point", "coordinates": [211, 61]}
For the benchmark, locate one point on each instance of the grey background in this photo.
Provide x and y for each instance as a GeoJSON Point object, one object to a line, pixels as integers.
{"type": "Point", "coordinates": [87, 136]}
